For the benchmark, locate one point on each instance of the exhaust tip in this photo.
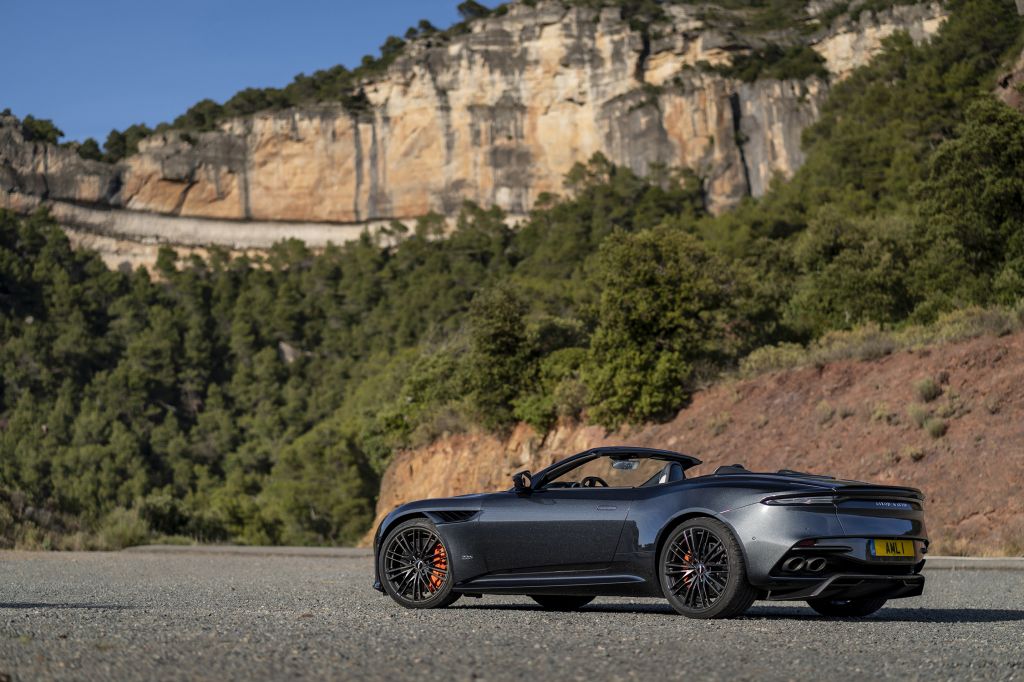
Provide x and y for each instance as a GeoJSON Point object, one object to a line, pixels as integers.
{"type": "Point", "coordinates": [816, 565]}
{"type": "Point", "coordinates": [794, 564]}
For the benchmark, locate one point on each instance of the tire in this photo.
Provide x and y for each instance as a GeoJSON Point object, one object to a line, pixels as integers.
{"type": "Point", "coordinates": [702, 571]}
{"type": "Point", "coordinates": [561, 602]}
{"type": "Point", "coordinates": [847, 608]}
{"type": "Point", "coordinates": [414, 568]}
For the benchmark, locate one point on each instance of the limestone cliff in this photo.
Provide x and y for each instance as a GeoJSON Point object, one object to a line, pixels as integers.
{"type": "Point", "coordinates": [497, 116]}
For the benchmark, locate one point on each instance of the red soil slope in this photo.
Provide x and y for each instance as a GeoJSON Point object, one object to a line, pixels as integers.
{"type": "Point", "coordinates": [852, 419]}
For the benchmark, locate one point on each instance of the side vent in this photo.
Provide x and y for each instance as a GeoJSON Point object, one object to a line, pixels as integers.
{"type": "Point", "coordinates": [454, 516]}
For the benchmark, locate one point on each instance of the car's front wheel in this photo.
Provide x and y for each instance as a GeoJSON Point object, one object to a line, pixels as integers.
{"type": "Point", "coordinates": [846, 608]}
{"type": "Point", "coordinates": [414, 567]}
{"type": "Point", "coordinates": [702, 571]}
{"type": "Point", "coordinates": [561, 602]}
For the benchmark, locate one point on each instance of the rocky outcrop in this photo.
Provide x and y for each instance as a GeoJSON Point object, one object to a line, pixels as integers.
{"type": "Point", "coordinates": [1010, 87]}
{"type": "Point", "coordinates": [496, 116]}
{"type": "Point", "coordinates": [848, 419]}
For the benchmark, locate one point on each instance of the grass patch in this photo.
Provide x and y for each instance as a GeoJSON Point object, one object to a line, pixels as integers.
{"type": "Point", "coordinates": [719, 423]}
{"type": "Point", "coordinates": [919, 414]}
{"type": "Point", "coordinates": [936, 428]}
{"type": "Point", "coordinates": [880, 412]}
{"type": "Point", "coordinates": [871, 342]}
{"type": "Point", "coordinates": [122, 528]}
{"type": "Point", "coordinates": [824, 412]}
{"type": "Point", "coordinates": [927, 390]}
{"type": "Point", "coordinates": [913, 454]}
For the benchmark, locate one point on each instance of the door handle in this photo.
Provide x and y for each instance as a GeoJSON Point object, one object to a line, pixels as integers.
{"type": "Point", "coordinates": [606, 507]}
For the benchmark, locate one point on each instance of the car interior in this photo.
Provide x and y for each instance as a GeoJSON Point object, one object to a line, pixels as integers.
{"type": "Point", "coordinates": [620, 472]}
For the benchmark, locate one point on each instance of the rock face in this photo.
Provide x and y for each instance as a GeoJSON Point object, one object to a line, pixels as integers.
{"type": "Point", "coordinates": [1010, 87]}
{"type": "Point", "coordinates": [496, 116]}
{"type": "Point", "coordinates": [847, 419]}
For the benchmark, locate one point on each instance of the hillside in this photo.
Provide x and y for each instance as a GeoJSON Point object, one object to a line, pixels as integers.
{"type": "Point", "coordinates": [853, 419]}
{"type": "Point", "coordinates": [259, 397]}
{"type": "Point", "coordinates": [495, 113]}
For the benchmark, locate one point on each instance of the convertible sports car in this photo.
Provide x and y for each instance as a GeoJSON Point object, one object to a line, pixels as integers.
{"type": "Point", "coordinates": [625, 521]}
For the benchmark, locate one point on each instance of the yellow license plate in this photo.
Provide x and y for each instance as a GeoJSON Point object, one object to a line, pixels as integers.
{"type": "Point", "coordinates": [894, 548]}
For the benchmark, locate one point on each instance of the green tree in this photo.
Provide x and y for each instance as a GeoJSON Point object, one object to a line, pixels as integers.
{"type": "Point", "coordinates": [90, 150]}
{"type": "Point", "coordinates": [665, 305]}
{"type": "Point", "coordinates": [854, 272]}
{"type": "Point", "coordinates": [972, 208]}
{"type": "Point", "coordinates": [471, 10]}
{"type": "Point", "coordinates": [499, 354]}
{"type": "Point", "coordinates": [40, 130]}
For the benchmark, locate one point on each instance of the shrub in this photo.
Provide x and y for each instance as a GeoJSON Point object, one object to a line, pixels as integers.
{"type": "Point", "coordinates": [936, 428]}
{"type": "Point", "coordinates": [774, 61]}
{"type": "Point", "coordinates": [953, 408]}
{"type": "Point", "coordinates": [927, 390]}
{"type": "Point", "coordinates": [773, 358]}
{"type": "Point", "coordinates": [863, 343]}
{"type": "Point", "coordinates": [90, 150]}
{"type": "Point", "coordinates": [41, 130]}
{"type": "Point", "coordinates": [719, 423]}
{"type": "Point", "coordinates": [570, 398]}
{"type": "Point", "coordinates": [824, 412]}
{"type": "Point", "coordinates": [918, 414]}
{"type": "Point", "coordinates": [913, 453]}
{"type": "Point", "coordinates": [880, 412]}
{"type": "Point", "coordinates": [890, 458]}
{"type": "Point", "coordinates": [122, 528]}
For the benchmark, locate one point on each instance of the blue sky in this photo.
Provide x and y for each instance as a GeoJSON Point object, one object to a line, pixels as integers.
{"type": "Point", "coordinates": [93, 65]}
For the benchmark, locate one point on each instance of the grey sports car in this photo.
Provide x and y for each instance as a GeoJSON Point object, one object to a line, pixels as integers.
{"type": "Point", "coordinates": [626, 521]}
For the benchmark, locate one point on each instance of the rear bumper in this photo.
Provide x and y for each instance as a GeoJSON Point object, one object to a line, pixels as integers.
{"type": "Point", "coordinates": [853, 586]}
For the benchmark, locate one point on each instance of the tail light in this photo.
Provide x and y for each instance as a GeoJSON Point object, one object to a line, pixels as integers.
{"type": "Point", "coordinates": [804, 501]}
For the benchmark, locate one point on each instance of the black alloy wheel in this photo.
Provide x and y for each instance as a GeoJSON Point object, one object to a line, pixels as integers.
{"type": "Point", "coordinates": [414, 566]}
{"type": "Point", "coordinates": [702, 571]}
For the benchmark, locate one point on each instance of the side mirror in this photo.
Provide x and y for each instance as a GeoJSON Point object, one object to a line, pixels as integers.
{"type": "Point", "coordinates": [522, 481]}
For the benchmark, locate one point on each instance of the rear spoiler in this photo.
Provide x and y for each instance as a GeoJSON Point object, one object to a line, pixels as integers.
{"type": "Point", "coordinates": [878, 491]}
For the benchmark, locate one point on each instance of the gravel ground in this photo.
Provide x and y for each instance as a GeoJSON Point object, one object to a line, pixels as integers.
{"type": "Point", "coordinates": [143, 616]}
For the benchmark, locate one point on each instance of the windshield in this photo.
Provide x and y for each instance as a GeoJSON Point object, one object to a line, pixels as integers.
{"type": "Point", "coordinates": [616, 472]}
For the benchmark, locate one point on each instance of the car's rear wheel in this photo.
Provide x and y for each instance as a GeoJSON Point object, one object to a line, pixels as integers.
{"type": "Point", "coordinates": [561, 602]}
{"type": "Point", "coordinates": [414, 567]}
{"type": "Point", "coordinates": [702, 571]}
{"type": "Point", "coordinates": [846, 608]}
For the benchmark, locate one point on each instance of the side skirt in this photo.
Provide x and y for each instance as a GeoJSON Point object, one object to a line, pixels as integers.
{"type": "Point", "coordinates": [607, 584]}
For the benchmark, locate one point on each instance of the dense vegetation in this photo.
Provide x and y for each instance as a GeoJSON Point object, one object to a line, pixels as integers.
{"type": "Point", "coordinates": [258, 400]}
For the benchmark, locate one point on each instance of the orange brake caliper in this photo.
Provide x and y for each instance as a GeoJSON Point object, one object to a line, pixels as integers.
{"type": "Point", "coordinates": [441, 563]}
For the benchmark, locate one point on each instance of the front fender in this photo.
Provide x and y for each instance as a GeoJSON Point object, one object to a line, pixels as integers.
{"type": "Point", "coordinates": [445, 513]}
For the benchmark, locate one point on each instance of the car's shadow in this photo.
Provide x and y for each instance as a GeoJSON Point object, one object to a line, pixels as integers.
{"type": "Point", "coordinates": [891, 614]}
{"type": "Point", "coordinates": [62, 605]}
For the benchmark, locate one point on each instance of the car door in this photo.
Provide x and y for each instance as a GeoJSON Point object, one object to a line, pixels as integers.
{"type": "Point", "coordinates": [551, 529]}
